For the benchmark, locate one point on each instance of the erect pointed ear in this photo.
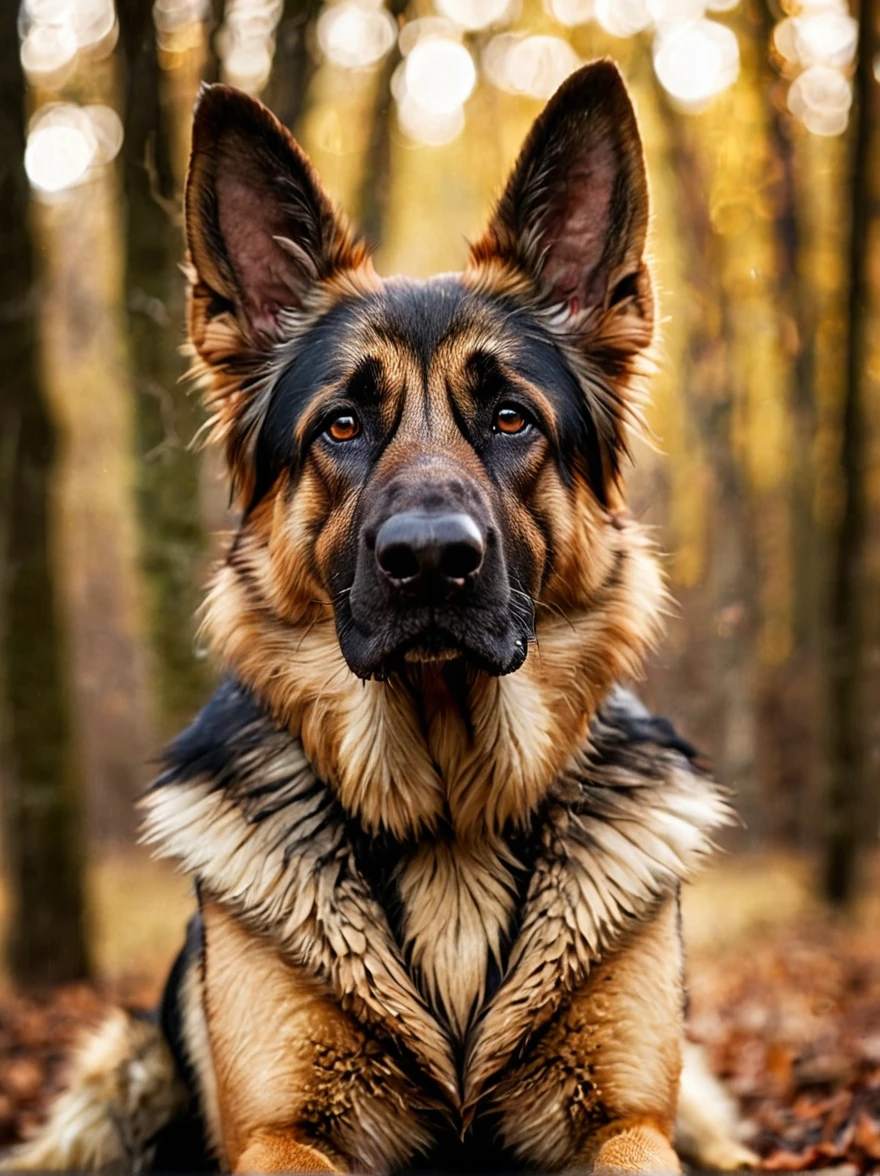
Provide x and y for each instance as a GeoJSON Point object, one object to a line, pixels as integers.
{"type": "Point", "coordinates": [573, 218]}
{"type": "Point", "coordinates": [260, 229]}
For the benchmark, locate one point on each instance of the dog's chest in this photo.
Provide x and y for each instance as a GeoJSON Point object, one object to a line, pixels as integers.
{"type": "Point", "coordinates": [457, 904]}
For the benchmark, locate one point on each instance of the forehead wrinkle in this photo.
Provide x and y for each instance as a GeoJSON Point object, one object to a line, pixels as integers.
{"type": "Point", "coordinates": [446, 385]}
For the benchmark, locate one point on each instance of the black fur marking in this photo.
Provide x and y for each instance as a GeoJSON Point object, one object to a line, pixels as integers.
{"type": "Point", "coordinates": [420, 316]}
{"type": "Point", "coordinates": [182, 1145]}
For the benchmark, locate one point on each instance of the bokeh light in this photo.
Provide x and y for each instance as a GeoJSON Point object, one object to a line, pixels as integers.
{"type": "Point", "coordinates": [623, 18]}
{"type": "Point", "coordinates": [54, 32]}
{"type": "Point", "coordinates": [816, 46]}
{"type": "Point", "coordinates": [65, 141]}
{"type": "Point", "coordinates": [47, 50]}
{"type": "Point", "coordinates": [475, 14]}
{"type": "Point", "coordinates": [433, 82]}
{"type": "Point", "coordinates": [821, 98]}
{"type": "Point", "coordinates": [439, 75]}
{"type": "Point", "coordinates": [430, 129]}
{"type": "Point", "coordinates": [570, 12]}
{"type": "Point", "coordinates": [246, 42]}
{"type": "Point", "coordinates": [666, 12]}
{"type": "Point", "coordinates": [179, 27]}
{"type": "Point", "coordinates": [425, 26]}
{"type": "Point", "coordinates": [536, 66]}
{"type": "Point", "coordinates": [356, 34]}
{"type": "Point", "coordinates": [695, 61]}
{"type": "Point", "coordinates": [825, 38]}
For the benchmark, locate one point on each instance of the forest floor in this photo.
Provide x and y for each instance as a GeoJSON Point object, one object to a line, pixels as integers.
{"type": "Point", "coordinates": [785, 998]}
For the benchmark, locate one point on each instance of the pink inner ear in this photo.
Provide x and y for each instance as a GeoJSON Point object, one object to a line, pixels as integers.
{"type": "Point", "coordinates": [576, 227]}
{"type": "Point", "coordinates": [266, 274]}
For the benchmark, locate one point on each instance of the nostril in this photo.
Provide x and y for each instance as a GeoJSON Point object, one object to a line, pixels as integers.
{"type": "Point", "coordinates": [460, 560]}
{"type": "Point", "coordinates": [398, 560]}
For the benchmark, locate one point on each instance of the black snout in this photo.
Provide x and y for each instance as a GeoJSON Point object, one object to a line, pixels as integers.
{"type": "Point", "coordinates": [430, 553]}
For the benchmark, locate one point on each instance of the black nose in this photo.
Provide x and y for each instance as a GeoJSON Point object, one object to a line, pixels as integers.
{"type": "Point", "coordinates": [429, 552]}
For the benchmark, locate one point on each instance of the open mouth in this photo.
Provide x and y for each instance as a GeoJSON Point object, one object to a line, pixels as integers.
{"type": "Point", "coordinates": [435, 644]}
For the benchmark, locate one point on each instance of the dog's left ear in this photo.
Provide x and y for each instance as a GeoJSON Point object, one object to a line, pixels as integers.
{"type": "Point", "coordinates": [573, 218]}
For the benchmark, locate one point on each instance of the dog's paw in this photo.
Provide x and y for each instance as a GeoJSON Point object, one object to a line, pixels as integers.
{"type": "Point", "coordinates": [728, 1155]}
{"type": "Point", "coordinates": [636, 1149]}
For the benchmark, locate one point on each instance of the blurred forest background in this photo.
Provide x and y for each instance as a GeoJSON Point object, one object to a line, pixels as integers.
{"type": "Point", "coordinates": [760, 126]}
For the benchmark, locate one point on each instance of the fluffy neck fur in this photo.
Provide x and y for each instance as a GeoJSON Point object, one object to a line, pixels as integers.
{"type": "Point", "coordinates": [240, 808]}
{"type": "Point", "coordinates": [411, 756]}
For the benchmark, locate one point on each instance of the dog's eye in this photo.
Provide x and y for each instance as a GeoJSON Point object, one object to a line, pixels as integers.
{"type": "Point", "coordinates": [510, 420]}
{"type": "Point", "coordinates": [344, 428]}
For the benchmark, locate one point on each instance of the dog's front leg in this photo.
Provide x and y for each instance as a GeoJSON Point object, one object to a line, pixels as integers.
{"type": "Point", "coordinates": [276, 1041]}
{"type": "Point", "coordinates": [281, 1151]}
{"type": "Point", "coordinates": [598, 1092]}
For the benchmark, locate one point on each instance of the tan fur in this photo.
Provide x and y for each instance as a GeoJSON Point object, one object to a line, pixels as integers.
{"type": "Point", "coordinates": [305, 1070]}
{"type": "Point", "coordinates": [457, 901]}
{"type": "Point", "coordinates": [611, 1057]}
{"type": "Point", "coordinates": [122, 1088]}
{"type": "Point", "coordinates": [279, 1152]}
{"type": "Point", "coordinates": [636, 1149]}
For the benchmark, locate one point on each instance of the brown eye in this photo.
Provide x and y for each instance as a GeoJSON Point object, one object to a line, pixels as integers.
{"type": "Point", "coordinates": [510, 420]}
{"type": "Point", "coordinates": [344, 428]}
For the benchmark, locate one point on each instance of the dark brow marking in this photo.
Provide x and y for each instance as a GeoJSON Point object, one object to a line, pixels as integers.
{"type": "Point", "coordinates": [366, 384]}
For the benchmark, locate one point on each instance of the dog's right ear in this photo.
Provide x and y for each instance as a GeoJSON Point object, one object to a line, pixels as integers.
{"type": "Point", "coordinates": [262, 233]}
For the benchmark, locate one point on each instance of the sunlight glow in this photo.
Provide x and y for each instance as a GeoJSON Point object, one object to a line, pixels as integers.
{"type": "Point", "coordinates": [356, 33]}
{"type": "Point", "coordinates": [695, 61]}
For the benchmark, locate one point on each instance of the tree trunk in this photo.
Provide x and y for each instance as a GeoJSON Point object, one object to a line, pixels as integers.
{"type": "Point", "coordinates": [847, 762]}
{"type": "Point", "coordinates": [293, 66]}
{"type": "Point", "coordinates": [42, 828]}
{"type": "Point", "coordinates": [709, 387]}
{"type": "Point", "coordinates": [372, 205]}
{"type": "Point", "coordinates": [172, 538]}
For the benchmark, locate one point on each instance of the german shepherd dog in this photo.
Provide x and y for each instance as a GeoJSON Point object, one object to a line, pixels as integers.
{"type": "Point", "coordinates": [437, 846]}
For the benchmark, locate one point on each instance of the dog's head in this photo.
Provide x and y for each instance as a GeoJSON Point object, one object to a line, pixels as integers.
{"type": "Point", "coordinates": [433, 459]}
